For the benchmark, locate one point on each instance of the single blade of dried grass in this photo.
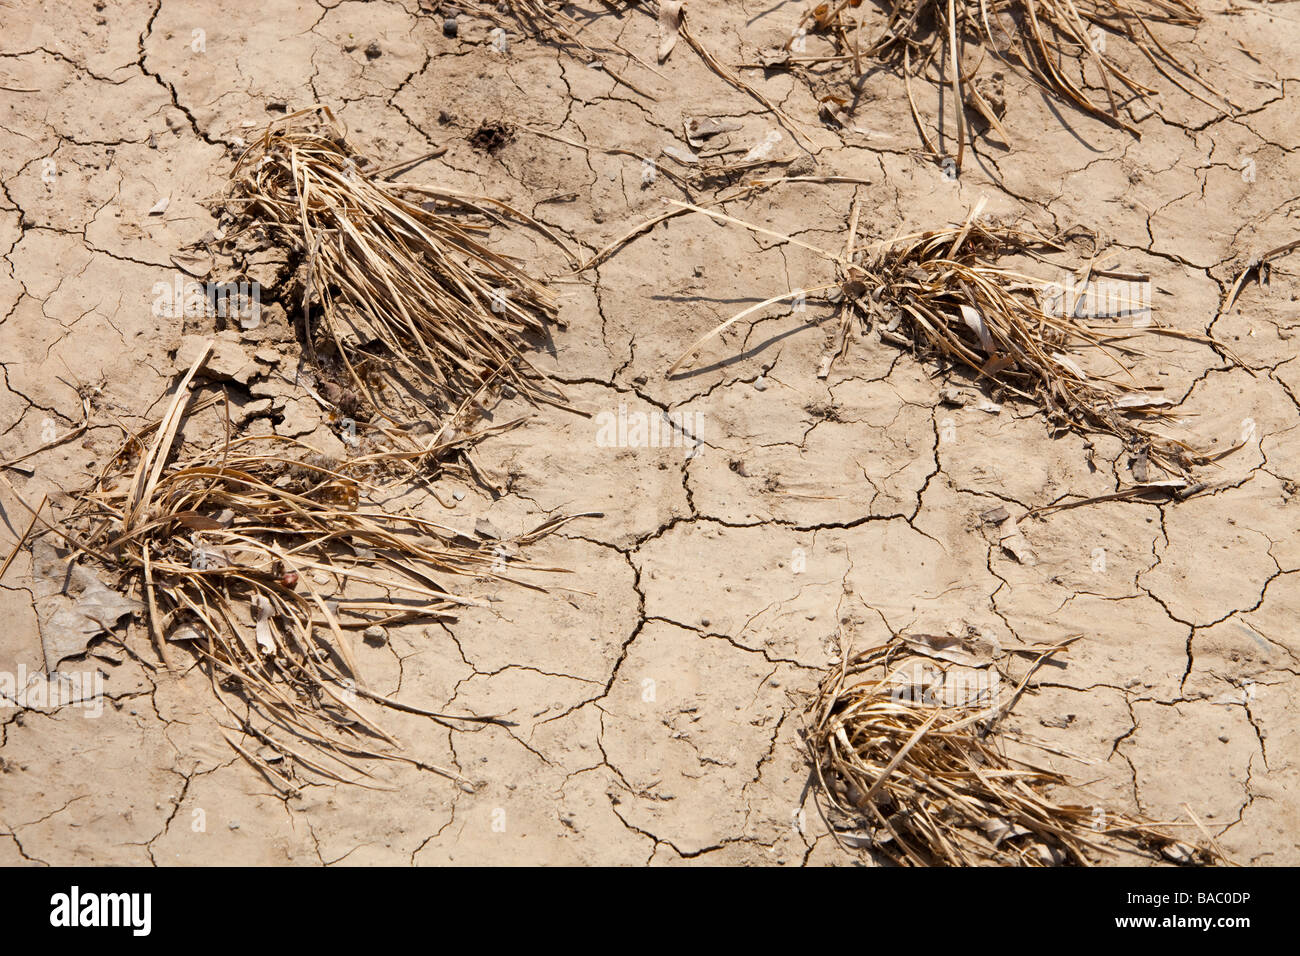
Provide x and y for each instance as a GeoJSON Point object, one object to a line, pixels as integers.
{"type": "Point", "coordinates": [22, 538]}
{"type": "Point", "coordinates": [719, 329]}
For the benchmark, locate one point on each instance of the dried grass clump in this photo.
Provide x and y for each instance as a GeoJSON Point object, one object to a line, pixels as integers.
{"type": "Point", "coordinates": [260, 556]}
{"type": "Point", "coordinates": [926, 782]}
{"type": "Point", "coordinates": [421, 313]}
{"type": "Point", "coordinates": [1062, 44]}
{"type": "Point", "coordinates": [944, 294]}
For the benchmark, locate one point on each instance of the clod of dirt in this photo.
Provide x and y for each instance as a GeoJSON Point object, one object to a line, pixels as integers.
{"type": "Point", "coordinates": [373, 50]}
{"type": "Point", "coordinates": [491, 136]}
{"type": "Point", "coordinates": [1058, 721]}
{"type": "Point", "coordinates": [804, 165]}
{"type": "Point", "coordinates": [995, 515]}
{"type": "Point", "coordinates": [228, 362]}
{"type": "Point", "coordinates": [700, 128]}
{"type": "Point", "coordinates": [823, 410]}
{"type": "Point", "coordinates": [992, 89]}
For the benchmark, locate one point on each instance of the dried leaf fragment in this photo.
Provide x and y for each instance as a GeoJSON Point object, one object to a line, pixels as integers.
{"type": "Point", "coordinates": [670, 19]}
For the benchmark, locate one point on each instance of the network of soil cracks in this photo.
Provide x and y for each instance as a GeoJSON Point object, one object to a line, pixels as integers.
{"type": "Point", "coordinates": [655, 692]}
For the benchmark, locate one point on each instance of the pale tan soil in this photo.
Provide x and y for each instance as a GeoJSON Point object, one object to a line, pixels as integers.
{"type": "Point", "coordinates": [657, 703]}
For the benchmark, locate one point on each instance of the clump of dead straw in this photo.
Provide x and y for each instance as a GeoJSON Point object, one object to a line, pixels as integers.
{"type": "Point", "coordinates": [410, 300]}
{"type": "Point", "coordinates": [1061, 44]}
{"type": "Point", "coordinates": [926, 779]}
{"type": "Point", "coordinates": [947, 294]}
{"type": "Point", "coordinates": [262, 559]}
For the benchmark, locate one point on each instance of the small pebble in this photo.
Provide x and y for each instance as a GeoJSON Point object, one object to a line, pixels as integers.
{"type": "Point", "coordinates": [373, 51]}
{"type": "Point", "coordinates": [375, 635]}
{"type": "Point", "coordinates": [450, 27]}
{"type": "Point", "coordinates": [760, 384]}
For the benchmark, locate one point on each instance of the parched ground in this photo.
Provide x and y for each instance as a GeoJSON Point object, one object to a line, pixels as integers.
{"type": "Point", "coordinates": [656, 690]}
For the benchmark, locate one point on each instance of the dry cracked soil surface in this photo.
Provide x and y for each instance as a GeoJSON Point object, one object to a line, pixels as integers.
{"type": "Point", "coordinates": [655, 697]}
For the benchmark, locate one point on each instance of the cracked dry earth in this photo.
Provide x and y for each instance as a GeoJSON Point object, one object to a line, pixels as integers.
{"type": "Point", "coordinates": [656, 696]}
